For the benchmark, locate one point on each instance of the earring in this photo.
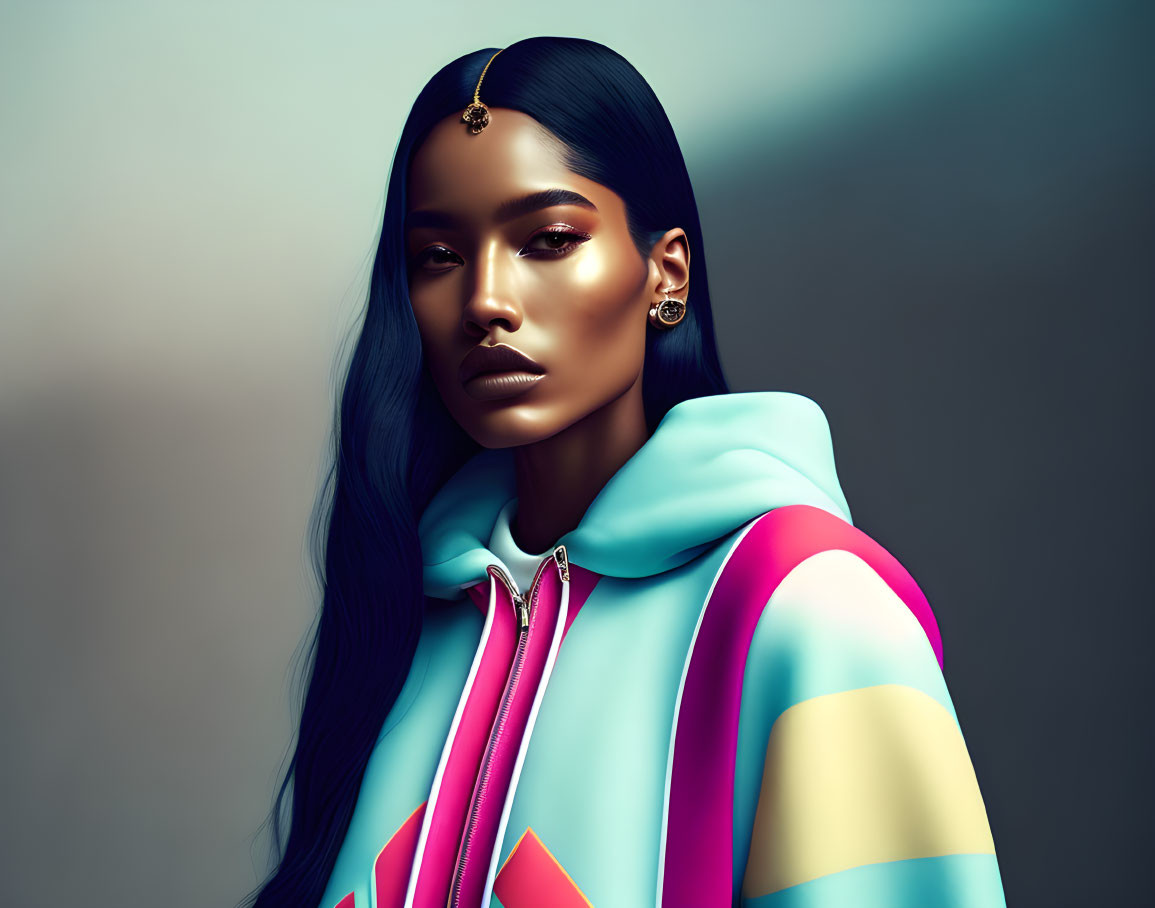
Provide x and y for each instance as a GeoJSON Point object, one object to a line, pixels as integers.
{"type": "Point", "coordinates": [667, 312]}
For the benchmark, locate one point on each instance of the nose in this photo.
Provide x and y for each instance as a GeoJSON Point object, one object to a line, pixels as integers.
{"type": "Point", "coordinates": [492, 297]}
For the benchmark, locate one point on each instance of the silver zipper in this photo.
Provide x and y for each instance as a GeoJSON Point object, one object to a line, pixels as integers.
{"type": "Point", "coordinates": [520, 602]}
{"type": "Point", "coordinates": [521, 606]}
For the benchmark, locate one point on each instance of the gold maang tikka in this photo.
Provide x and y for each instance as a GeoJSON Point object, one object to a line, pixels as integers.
{"type": "Point", "coordinates": [476, 115]}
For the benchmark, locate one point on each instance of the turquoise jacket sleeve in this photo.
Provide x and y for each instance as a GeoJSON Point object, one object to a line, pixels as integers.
{"type": "Point", "coordinates": [867, 795]}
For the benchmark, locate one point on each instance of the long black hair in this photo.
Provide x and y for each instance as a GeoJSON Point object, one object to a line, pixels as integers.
{"type": "Point", "coordinates": [396, 444]}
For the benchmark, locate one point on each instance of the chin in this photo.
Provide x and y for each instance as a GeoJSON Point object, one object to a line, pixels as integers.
{"type": "Point", "coordinates": [512, 425]}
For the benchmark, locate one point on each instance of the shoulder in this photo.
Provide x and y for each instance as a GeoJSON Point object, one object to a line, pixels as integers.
{"type": "Point", "coordinates": [835, 623]}
{"type": "Point", "coordinates": [799, 553]}
{"type": "Point", "coordinates": [803, 594]}
{"type": "Point", "coordinates": [814, 643]}
{"type": "Point", "coordinates": [844, 660]}
{"type": "Point", "coordinates": [823, 608]}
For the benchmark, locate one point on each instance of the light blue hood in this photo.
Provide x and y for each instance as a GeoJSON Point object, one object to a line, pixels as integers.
{"type": "Point", "coordinates": [713, 464]}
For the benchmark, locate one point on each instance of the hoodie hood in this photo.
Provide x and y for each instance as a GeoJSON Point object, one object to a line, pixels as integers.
{"type": "Point", "coordinates": [713, 464]}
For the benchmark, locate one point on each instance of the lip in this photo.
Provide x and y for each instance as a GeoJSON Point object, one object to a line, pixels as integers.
{"type": "Point", "coordinates": [500, 359]}
{"type": "Point", "coordinates": [500, 385]}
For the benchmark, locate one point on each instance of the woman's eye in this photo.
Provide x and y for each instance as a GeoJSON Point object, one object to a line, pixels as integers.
{"type": "Point", "coordinates": [554, 242]}
{"type": "Point", "coordinates": [436, 258]}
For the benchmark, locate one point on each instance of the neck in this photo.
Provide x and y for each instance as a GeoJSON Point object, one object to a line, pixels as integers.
{"type": "Point", "coordinates": [558, 477]}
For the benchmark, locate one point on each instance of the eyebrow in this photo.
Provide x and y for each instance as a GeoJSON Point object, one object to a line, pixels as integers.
{"type": "Point", "coordinates": [506, 211]}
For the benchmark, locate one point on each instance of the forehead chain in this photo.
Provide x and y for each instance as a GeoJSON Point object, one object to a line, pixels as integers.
{"type": "Point", "coordinates": [476, 115]}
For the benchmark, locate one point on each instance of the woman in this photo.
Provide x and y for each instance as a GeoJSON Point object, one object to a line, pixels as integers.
{"type": "Point", "coordinates": [647, 659]}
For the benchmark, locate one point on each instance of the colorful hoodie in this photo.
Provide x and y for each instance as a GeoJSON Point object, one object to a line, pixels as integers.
{"type": "Point", "coordinates": [716, 692]}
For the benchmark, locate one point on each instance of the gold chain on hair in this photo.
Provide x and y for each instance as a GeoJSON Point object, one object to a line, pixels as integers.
{"type": "Point", "coordinates": [476, 115]}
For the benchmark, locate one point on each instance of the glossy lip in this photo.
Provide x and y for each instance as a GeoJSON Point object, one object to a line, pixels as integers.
{"type": "Point", "coordinates": [499, 358]}
{"type": "Point", "coordinates": [500, 385]}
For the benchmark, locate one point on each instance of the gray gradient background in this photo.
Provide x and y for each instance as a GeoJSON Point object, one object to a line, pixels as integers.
{"type": "Point", "coordinates": [935, 219]}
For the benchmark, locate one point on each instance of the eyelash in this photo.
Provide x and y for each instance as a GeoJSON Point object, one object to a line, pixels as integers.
{"type": "Point", "coordinates": [577, 239]}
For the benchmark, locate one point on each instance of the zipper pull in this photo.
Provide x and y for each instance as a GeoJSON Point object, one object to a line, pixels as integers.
{"type": "Point", "coordinates": [559, 555]}
{"type": "Point", "coordinates": [520, 605]}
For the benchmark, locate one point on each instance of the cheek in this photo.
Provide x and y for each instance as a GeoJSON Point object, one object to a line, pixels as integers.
{"type": "Point", "coordinates": [435, 324]}
{"type": "Point", "coordinates": [604, 323]}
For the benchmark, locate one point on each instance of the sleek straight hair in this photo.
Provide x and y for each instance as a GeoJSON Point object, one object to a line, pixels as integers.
{"type": "Point", "coordinates": [395, 443]}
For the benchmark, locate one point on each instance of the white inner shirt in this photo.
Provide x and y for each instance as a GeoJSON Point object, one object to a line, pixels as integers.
{"type": "Point", "coordinates": [522, 566]}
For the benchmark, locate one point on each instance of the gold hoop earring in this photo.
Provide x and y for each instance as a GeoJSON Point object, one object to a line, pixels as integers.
{"type": "Point", "coordinates": [667, 312]}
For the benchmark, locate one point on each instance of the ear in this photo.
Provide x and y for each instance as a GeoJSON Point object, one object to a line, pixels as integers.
{"type": "Point", "coordinates": [670, 266]}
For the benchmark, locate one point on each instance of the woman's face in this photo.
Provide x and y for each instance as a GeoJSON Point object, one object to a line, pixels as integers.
{"type": "Point", "coordinates": [509, 249]}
